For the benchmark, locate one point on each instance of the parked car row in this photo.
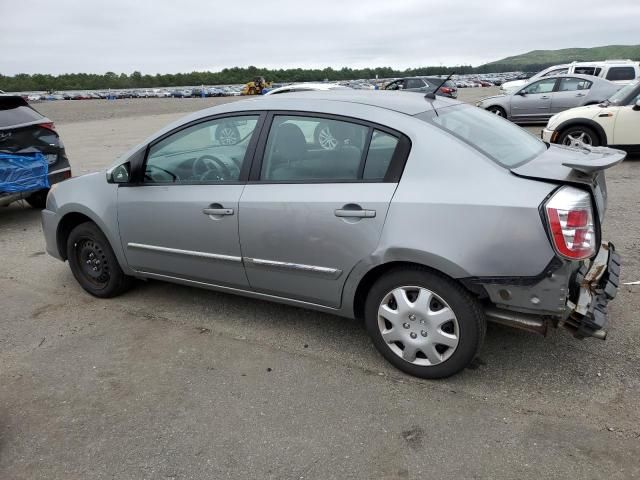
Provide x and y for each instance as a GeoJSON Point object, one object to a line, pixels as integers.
{"type": "Point", "coordinates": [147, 93]}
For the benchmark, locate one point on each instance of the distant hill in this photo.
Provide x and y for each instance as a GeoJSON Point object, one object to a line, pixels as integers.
{"type": "Point", "coordinates": [567, 55]}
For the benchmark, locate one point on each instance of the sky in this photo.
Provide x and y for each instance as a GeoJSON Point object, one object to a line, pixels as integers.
{"type": "Point", "coordinates": [162, 36]}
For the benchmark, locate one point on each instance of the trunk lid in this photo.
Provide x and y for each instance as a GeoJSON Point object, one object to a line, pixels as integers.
{"type": "Point", "coordinates": [563, 165]}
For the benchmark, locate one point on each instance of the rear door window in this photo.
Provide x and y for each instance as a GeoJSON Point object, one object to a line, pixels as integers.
{"type": "Point", "coordinates": [621, 73]}
{"type": "Point", "coordinates": [586, 70]}
{"type": "Point", "coordinates": [303, 148]}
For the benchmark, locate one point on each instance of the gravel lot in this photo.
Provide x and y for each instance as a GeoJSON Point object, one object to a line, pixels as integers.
{"type": "Point", "coordinates": [169, 382]}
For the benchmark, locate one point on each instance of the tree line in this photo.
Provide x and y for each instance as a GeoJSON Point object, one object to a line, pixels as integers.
{"type": "Point", "coordinates": [235, 75]}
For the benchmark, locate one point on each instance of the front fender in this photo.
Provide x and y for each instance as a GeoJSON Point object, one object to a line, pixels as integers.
{"type": "Point", "coordinates": [587, 122]}
{"type": "Point", "coordinates": [91, 196]}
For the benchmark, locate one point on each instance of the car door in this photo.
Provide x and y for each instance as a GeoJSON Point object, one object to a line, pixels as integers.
{"type": "Point", "coordinates": [308, 214]}
{"type": "Point", "coordinates": [180, 217]}
{"type": "Point", "coordinates": [571, 92]}
{"type": "Point", "coordinates": [533, 102]}
{"type": "Point", "coordinates": [627, 124]}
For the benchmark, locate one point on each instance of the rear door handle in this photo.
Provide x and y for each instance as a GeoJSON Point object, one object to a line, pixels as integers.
{"type": "Point", "coordinates": [355, 213]}
{"type": "Point", "coordinates": [580, 94]}
{"type": "Point", "coordinates": [218, 211]}
{"type": "Point", "coordinates": [544, 97]}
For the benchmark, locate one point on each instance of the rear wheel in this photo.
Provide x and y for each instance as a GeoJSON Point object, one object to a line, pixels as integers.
{"type": "Point", "coordinates": [424, 323]}
{"type": "Point", "coordinates": [93, 262]}
{"type": "Point", "coordinates": [324, 137]}
{"type": "Point", "coordinates": [499, 111]}
{"type": "Point", "coordinates": [579, 136]}
{"type": "Point", "coordinates": [38, 199]}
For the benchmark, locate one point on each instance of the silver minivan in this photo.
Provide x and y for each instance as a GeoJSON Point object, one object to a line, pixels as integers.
{"type": "Point", "coordinates": [428, 218]}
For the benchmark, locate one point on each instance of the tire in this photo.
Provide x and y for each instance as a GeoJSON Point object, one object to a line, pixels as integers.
{"type": "Point", "coordinates": [38, 199]}
{"type": "Point", "coordinates": [463, 328]}
{"type": "Point", "coordinates": [499, 111]}
{"type": "Point", "coordinates": [579, 133]}
{"type": "Point", "coordinates": [102, 278]}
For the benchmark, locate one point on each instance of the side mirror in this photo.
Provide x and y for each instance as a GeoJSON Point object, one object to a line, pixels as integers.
{"type": "Point", "coordinates": [637, 105]}
{"type": "Point", "coordinates": [119, 174]}
{"type": "Point", "coordinates": [522, 93]}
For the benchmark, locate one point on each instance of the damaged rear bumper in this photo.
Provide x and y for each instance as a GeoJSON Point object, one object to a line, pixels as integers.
{"type": "Point", "coordinates": [596, 284]}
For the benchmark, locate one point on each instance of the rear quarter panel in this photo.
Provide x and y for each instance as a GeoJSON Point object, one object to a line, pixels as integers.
{"type": "Point", "coordinates": [464, 214]}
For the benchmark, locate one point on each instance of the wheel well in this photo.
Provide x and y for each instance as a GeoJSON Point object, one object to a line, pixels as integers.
{"type": "Point", "coordinates": [68, 223]}
{"type": "Point", "coordinates": [597, 129]}
{"type": "Point", "coordinates": [375, 273]}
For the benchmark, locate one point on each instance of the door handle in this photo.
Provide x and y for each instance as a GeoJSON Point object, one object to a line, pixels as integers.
{"type": "Point", "coordinates": [355, 213]}
{"type": "Point", "coordinates": [544, 97]}
{"type": "Point", "coordinates": [218, 211]}
{"type": "Point", "coordinates": [580, 94]}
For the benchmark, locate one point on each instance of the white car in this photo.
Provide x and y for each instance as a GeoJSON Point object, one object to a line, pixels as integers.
{"type": "Point", "coordinates": [621, 72]}
{"type": "Point", "coordinates": [303, 87]}
{"type": "Point", "coordinates": [614, 123]}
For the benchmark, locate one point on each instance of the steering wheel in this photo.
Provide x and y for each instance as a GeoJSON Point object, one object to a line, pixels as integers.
{"type": "Point", "coordinates": [206, 164]}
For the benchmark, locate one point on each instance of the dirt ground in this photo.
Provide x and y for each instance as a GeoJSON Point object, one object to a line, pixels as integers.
{"type": "Point", "coordinates": [169, 382]}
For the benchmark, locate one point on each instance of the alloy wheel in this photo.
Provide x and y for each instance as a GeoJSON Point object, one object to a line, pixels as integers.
{"type": "Point", "coordinates": [228, 136]}
{"type": "Point", "coordinates": [326, 139]}
{"type": "Point", "coordinates": [578, 139]}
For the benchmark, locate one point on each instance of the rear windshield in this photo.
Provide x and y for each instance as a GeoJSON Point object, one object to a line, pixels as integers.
{"type": "Point", "coordinates": [500, 140]}
{"type": "Point", "coordinates": [12, 113]}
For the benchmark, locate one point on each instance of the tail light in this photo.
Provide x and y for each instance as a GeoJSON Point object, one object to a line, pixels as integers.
{"type": "Point", "coordinates": [570, 217]}
{"type": "Point", "coordinates": [48, 126]}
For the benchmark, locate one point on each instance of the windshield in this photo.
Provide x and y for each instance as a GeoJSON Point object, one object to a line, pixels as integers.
{"type": "Point", "coordinates": [500, 140]}
{"type": "Point", "coordinates": [620, 97]}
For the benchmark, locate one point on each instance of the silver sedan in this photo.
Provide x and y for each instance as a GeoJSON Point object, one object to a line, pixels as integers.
{"type": "Point", "coordinates": [427, 218]}
{"type": "Point", "coordinates": [538, 101]}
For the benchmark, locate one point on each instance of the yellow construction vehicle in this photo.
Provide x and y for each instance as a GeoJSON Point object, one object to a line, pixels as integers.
{"type": "Point", "coordinates": [255, 87]}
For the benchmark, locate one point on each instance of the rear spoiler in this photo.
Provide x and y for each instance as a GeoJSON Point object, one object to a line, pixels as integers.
{"type": "Point", "coordinates": [597, 158]}
{"type": "Point", "coordinates": [9, 102]}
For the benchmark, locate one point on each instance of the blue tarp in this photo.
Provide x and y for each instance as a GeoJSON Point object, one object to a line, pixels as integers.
{"type": "Point", "coordinates": [23, 172]}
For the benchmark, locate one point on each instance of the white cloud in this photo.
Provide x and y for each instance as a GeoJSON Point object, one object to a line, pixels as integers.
{"type": "Point", "coordinates": [166, 36]}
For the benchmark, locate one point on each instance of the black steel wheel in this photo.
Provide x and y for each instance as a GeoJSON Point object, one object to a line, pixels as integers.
{"type": "Point", "coordinates": [93, 262]}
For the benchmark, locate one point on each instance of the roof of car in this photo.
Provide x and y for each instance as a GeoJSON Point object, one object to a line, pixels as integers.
{"type": "Point", "coordinates": [408, 103]}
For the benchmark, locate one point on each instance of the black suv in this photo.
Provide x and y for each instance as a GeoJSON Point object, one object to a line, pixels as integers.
{"type": "Point", "coordinates": [25, 131]}
{"type": "Point", "coordinates": [426, 85]}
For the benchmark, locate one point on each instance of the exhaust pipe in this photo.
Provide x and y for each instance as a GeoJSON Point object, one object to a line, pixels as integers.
{"type": "Point", "coordinates": [522, 321]}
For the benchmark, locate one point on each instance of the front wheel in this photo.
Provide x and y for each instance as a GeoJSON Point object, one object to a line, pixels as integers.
{"type": "Point", "coordinates": [499, 111]}
{"type": "Point", "coordinates": [424, 323]}
{"type": "Point", "coordinates": [94, 264]}
{"type": "Point", "coordinates": [579, 136]}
